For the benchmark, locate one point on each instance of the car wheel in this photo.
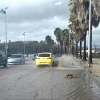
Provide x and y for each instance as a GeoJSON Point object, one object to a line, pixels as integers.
{"type": "Point", "coordinates": [20, 62]}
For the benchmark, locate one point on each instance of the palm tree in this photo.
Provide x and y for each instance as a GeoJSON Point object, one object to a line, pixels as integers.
{"type": "Point", "coordinates": [43, 46]}
{"type": "Point", "coordinates": [76, 28]}
{"type": "Point", "coordinates": [95, 19]}
{"type": "Point", "coordinates": [80, 9]}
{"type": "Point", "coordinates": [76, 40]}
{"type": "Point", "coordinates": [84, 55]}
{"type": "Point", "coordinates": [65, 39]}
{"type": "Point", "coordinates": [50, 42]}
{"type": "Point", "coordinates": [82, 38]}
{"type": "Point", "coordinates": [57, 33]}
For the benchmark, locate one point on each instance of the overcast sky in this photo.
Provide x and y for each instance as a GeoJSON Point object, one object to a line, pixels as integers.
{"type": "Point", "coordinates": [38, 18]}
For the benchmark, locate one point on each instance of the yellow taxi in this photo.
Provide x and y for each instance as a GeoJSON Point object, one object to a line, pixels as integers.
{"type": "Point", "coordinates": [45, 59]}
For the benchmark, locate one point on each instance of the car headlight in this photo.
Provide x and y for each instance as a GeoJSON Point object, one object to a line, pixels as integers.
{"type": "Point", "coordinates": [9, 60]}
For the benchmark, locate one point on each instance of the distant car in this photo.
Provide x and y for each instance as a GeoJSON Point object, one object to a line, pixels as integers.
{"type": "Point", "coordinates": [16, 59]}
{"type": "Point", "coordinates": [34, 56]}
{"type": "Point", "coordinates": [45, 59]}
{"type": "Point", "coordinates": [3, 59]}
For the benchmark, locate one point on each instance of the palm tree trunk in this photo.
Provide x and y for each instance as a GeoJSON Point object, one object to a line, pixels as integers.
{"type": "Point", "coordinates": [61, 45]}
{"type": "Point", "coordinates": [61, 49]}
{"type": "Point", "coordinates": [84, 56]}
{"type": "Point", "coordinates": [76, 49]}
{"type": "Point", "coordinates": [80, 49]}
{"type": "Point", "coordinates": [65, 49]}
{"type": "Point", "coordinates": [58, 48]}
{"type": "Point", "coordinates": [72, 50]}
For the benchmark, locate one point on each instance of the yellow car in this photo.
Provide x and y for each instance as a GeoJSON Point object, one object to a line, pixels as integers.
{"type": "Point", "coordinates": [45, 59]}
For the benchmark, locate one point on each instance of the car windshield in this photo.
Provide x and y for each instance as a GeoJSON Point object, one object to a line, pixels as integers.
{"type": "Point", "coordinates": [44, 55]}
{"type": "Point", "coordinates": [15, 56]}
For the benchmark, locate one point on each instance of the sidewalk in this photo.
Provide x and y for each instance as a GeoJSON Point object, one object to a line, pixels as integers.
{"type": "Point", "coordinates": [95, 67]}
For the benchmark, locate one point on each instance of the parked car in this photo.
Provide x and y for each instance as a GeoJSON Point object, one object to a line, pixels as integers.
{"type": "Point", "coordinates": [34, 56]}
{"type": "Point", "coordinates": [3, 59]}
{"type": "Point", "coordinates": [45, 59]}
{"type": "Point", "coordinates": [16, 59]}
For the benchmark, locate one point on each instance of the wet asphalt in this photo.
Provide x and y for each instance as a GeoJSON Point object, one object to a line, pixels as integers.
{"type": "Point", "coordinates": [29, 82]}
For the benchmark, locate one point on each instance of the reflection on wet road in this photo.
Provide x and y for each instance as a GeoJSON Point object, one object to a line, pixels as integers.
{"type": "Point", "coordinates": [29, 82]}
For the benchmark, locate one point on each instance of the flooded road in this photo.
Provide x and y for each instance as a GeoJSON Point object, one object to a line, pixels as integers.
{"type": "Point", "coordinates": [29, 82]}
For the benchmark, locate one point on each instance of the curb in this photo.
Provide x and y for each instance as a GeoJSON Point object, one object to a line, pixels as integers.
{"type": "Point", "coordinates": [92, 75]}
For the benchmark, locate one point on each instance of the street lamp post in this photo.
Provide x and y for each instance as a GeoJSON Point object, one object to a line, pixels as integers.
{"type": "Point", "coordinates": [4, 12]}
{"type": "Point", "coordinates": [24, 42]}
{"type": "Point", "coordinates": [69, 43]}
{"type": "Point", "coordinates": [89, 40]}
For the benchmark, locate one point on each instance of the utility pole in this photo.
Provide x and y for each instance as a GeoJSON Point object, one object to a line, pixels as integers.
{"type": "Point", "coordinates": [89, 40]}
{"type": "Point", "coordinates": [4, 12]}
{"type": "Point", "coordinates": [24, 42]}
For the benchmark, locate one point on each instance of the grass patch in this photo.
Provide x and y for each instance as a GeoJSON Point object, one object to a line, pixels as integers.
{"type": "Point", "coordinates": [97, 58]}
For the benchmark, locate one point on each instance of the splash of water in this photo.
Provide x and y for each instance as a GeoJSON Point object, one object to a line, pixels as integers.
{"type": "Point", "coordinates": [67, 61]}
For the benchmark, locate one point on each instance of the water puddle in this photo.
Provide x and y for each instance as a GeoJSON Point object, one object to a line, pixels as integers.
{"type": "Point", "coordinates": [82, 87]}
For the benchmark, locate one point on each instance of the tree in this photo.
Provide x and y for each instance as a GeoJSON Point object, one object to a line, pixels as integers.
{"type": "Point", "coordinates": [57, 33]}
{"type": "Point", "coordinates": [65, 39]}
{"type": "Point", "coordinates": [50, 42]}
{"type": "Point", "coordinates": [43, 46]}
{"type": "Point", "coordinates": [80, 13]}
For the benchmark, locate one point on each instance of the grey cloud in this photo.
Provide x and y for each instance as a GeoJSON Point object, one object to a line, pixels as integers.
{"type": "Point", "coordinates": [33, 18]}
{"type": "Point", "coordinates": [36, 29]}
{"type": "Point", "coordinates": [32, 12]}
{"type": "Point", "coordinates": [38, 19]}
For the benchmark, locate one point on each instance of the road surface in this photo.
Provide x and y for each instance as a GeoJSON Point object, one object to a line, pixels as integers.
{"type": "Point", "coordinates": [29, 82]}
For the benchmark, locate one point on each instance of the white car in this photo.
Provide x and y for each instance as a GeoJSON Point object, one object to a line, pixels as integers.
{"type": "Point", "coordinates": [34, 56]}
{"type": "Point", "coordinates": [16, 59]}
